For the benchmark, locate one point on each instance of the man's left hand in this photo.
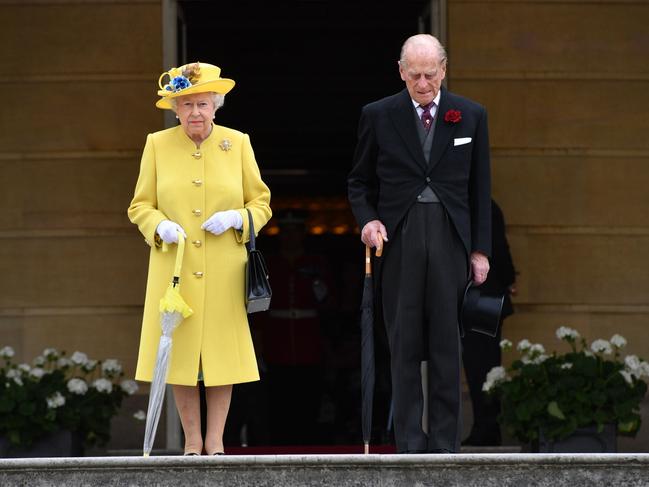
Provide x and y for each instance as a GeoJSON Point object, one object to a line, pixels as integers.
{"type": "Point", "coordinates": [479, 267]}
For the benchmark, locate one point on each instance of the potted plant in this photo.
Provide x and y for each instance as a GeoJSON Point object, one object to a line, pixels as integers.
{"type": "Point", "coordinates": [546, 398]}
{"type": "Point", "coordinates": [55, 394]}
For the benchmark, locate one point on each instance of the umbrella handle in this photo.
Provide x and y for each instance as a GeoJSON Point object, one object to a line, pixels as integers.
{"type": "Point", "coordinates": [379, 249]}
{"type": "Point", "coordinates": [368, 254]}
{"type": "Point", "coordinates": [179, 256]}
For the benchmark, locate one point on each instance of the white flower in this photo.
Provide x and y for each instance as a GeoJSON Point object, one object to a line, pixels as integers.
{"type": "Point", "coordinates": [632, 363]}
{"type": "Point", "coordinates": [90, 365]}
{"type": "Point", "coordinates": [37, 372]}
{"type": "Point", "coordinates": [13, 373]}
{"type": "Point", "coordinates": [129, 387]}
{"type": "Point", "coordinates": [618, 341]}
{"type": "Point", "coordinates": [103, 385]}
{"type": "Point", "coordinates": [601, 346]}
{"type": "Point", "coordinates": [25, 368]}
{"type": "Point", "coordinates": [539, 359]}
{"type": "Point", "coordinates": [63, 362]}
{"type": "Point", "coordinates": [79, 358]}
{"type": "Point", "coordinates": [39, 361]}
{"type": "Point", "coordinates": [7, 352]}
{"type": "Point", "coordinates": [636, 367]}
{"type": "Point", "coordinates": [566, 333]}
{"type": "Point", "coordinates": [627, 376]}
{"type": "Point", "coordinates": [77, 386]}
{"type": "Point", "coordinates": [523, 345]}
{"type": "Point", "coordinates": [50, 353]}
{"type": "Point", "coordinates": [56, 400]}
{"type": "Point", "coordinates": [494, 376]}
{"type": "Point", "coordinates": [139, 415]}
{"type": "Point", "coordinates": [537, 348]}
{"type": "Point", "coordinates": [505, 344]}
{"type": "Point", "coordinates": [497, 374]}
{"type": "Point", "coordinates": [566, 366]}
{"type": "Point", "coordinates": [644, 369]}
{"type": "Point", "coordinates": [111, 366]}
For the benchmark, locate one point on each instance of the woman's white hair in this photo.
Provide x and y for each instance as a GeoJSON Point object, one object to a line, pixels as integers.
{"type": "Point", "coordinates": [217, 98]}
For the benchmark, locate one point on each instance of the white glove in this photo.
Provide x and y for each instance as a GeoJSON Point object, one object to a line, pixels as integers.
{"type": "Point", "coordinates": [220, 221]}
{"type": "Point", "coordinates": [168, 231]}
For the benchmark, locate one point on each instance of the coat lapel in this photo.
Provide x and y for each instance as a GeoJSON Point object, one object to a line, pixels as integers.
{"type": "Point", "coordinates": [443, 130]}
{"type": "Point", "coordinates": [404, 123]}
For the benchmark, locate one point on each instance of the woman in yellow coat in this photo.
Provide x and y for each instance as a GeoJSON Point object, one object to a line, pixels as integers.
{"type": "Point", "coordinates": [199, 179]}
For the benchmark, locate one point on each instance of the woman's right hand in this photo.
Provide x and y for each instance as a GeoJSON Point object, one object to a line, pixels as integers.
{"type": "Point", "coordinates": [168, 231]}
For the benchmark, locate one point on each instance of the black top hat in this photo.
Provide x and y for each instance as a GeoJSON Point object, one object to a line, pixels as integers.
{"type": "Point", "coordinates": [480, 312]}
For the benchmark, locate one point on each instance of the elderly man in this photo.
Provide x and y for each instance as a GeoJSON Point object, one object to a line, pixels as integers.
{"type": "Point", "coordinates": [421, 182]}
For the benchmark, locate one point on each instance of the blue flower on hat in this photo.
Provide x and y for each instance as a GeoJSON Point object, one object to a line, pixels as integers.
{"type": "Point", "coordinates": [179, 83]}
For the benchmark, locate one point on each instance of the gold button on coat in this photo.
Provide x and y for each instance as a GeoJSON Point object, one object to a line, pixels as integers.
{"type": "Point", "coordinates": [197, 243]}
{"type": "Point", "coordinates": [197, 212]}
{"type": "Point", "coordinates": [198, 274]}
{"type": "Point", "coordinates": [197, 182]}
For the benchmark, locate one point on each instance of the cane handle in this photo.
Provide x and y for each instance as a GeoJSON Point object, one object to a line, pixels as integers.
{"type": "Point", "coordinates": [379, 247]}
{"type": "Point", "coordinates": [368, 255]}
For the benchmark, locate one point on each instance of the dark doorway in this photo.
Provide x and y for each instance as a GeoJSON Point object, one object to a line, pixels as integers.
{"type": "Point", "coordinates": [303, 70]}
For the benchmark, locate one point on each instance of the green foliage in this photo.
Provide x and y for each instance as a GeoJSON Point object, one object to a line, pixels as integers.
{"type": "Point", "coordinates": [559, 393]}
{"type": "Point", "coordinates": [59, 393]}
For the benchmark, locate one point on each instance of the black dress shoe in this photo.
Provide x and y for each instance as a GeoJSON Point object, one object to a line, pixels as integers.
{"type": "Point", "coordinates": [439, 450]}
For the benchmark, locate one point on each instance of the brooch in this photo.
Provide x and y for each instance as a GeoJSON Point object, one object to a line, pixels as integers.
{"type": "Point", "coordinates": [225, 145]}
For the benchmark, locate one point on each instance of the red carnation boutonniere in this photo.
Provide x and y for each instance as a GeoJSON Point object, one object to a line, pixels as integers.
{"type": "Point", "coordinates": [453, 116]}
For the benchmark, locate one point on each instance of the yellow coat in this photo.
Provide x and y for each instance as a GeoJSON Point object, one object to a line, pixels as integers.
{"type": "Point", "coordinates": [174, 185]}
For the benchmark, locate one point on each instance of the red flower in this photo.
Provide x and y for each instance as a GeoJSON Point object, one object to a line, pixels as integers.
{"type": "Point", "coordinates": [453, 116]}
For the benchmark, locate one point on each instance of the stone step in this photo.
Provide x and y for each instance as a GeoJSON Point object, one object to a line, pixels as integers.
{"type": "Point", "coordinates": [466, 470]}
{"type": "Point", "coordinates": [304, 450]}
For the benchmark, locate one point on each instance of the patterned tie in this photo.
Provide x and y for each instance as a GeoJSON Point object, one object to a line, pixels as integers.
{"type": "Point", "coordinates": [426, 117]}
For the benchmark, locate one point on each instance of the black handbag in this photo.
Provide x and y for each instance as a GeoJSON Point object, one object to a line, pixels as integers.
{"type": "Point", "coordinates": [258, 292]}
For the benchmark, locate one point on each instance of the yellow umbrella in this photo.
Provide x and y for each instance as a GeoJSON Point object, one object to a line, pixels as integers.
{"type": "Point", "coordinates": [173, 309]}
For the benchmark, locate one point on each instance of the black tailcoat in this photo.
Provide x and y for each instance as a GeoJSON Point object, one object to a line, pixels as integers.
{"type": "Point", "coordinates": [390, 170]}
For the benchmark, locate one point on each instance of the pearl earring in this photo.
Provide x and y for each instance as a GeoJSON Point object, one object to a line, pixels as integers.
{"type": "Point", "coordinates": [176, 116]}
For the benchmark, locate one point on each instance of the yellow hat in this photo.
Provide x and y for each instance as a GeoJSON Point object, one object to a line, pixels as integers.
{"type": "Point", "coordinates": [189, 79]}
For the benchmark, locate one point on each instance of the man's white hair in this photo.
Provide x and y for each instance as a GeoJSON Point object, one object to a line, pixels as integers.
{"type": "Point", "coordinates": [424, 42]}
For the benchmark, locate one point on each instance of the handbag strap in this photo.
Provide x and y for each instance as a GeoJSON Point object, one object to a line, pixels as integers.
{"type": "Point", "coordinates": [252, 230]}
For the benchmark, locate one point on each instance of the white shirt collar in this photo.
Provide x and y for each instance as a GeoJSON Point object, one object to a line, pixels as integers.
{"type": "Point", "coordinates": [435, 101]}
